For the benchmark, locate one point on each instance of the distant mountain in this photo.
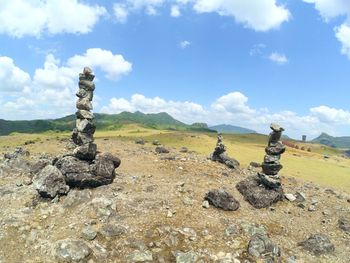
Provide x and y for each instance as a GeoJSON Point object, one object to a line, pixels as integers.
{"type": "Point", "coordinates": [226, 128]}
{"type": "Point", "coordinates": [103, 122]}
{"type": "Point", "coordinates": [335, 142]}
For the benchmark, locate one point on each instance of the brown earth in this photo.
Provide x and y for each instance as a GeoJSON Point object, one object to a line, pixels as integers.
{"type": "Point", "coordinates": [155, 205]}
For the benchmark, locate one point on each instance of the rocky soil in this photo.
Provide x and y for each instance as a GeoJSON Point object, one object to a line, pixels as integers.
{"type": "Point", "coordinates": [155, 211]}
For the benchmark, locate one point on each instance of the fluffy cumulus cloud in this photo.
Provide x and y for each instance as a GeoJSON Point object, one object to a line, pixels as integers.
{"type": "Point", "coordinates": [12, 78]}
{"type": "Point", "coordinates": [262, 15]}
{"type": "Point", "coordinates": [185, 111]}
{"type": "Point", "coordinates": [330, 9]}
{"type": "Point", "coordinates": [278, 58]}
{"type": "Point", "coordinates": [20, 18]}
{"type": "Point", "coordinates": [233, 108]}
{"type": "Point", "coordinates": [49, 92]}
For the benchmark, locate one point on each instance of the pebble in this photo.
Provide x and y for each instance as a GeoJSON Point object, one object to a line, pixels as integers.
{"type": "Point", "coordinates": [205, 204]}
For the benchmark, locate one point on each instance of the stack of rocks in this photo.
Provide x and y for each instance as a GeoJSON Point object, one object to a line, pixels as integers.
{"type": "Point", "coordinates": [271, 165]}
{"type": "Point", "coordinates": [264, 189]}
{"type": "Point", "coordinates": [219, 154]}
{"type": "Point", "coordinates": [85, 128]}
{"type": "Point", "coordinates": [83, 168]}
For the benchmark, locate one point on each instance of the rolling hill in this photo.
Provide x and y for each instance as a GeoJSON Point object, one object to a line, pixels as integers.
{"type": "Point", "coordinates": [335, 142]}
{"type": "Point", "coordinates": [103, 122]}
{"type": "Point", "coordinates": [226, 128]}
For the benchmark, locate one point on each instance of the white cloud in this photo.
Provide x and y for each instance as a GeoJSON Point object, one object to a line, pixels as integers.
{"type": "Point", "coordinates": [257, 50]}
{"type": "Point", "coordinates": [184, 44]}
{"type": "Point", "coordinates": [343, 35]}
{"type": "Point", "coordinates": [261, 15]}
{"type": "Point", "coordinates": [12, 78]}
{"type": "Point", "coordinates": [233, 109]}
{"type": "Point", "coordinates": [185, 111]}
{"type": "Point", "coordinates": [20, 18]}
{"type": "Point", "coordinates": [175, 11]}
{"type": "Point", "coordinates": [330, 9]}
{"type": "Point", "coordinates": [121, 12]}
{"type": "Point", "coordinates": [51, 91]}
{"type": "Point", "coordinates": [331, 115]}
{"type": "Point", "coordinates": [278, 58]}
{"type": "Point", "coordinates": [114, 66]}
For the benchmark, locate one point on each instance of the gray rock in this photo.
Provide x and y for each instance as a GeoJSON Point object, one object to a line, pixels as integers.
{"type": "Point", "coordinates": [72, 251]}
{"type": "Point", "coordinates": [276, 149]}
{"type": "Point", "coordinates": [318, 244]}
{"type": "Point", "coordinates": [161, 149]}
{"type": "Point", "coordinates": [188, 257]}
{"type": "Point", "coordinates": [80, 138]}
{"type": "Point", "coordinates": [300, 197]}
{"type": "Point", "coordinates": [290, 197]}
{"type": "Point", "coordinates": [50, 182]}
{"type": "Point", "coordinates": [228, 161]}
{"type": "Point", "coordinates": [344, 224]}
{"type": "Point", "coordinates": [88, 233]}
{"type": "Point", "coordinates": [231, 230]}
{"type": "Point", "coordinates": [86, 151]}
{"type": "Point", "coordinates": [83, 93]}
{"type": "Point", "coordinates": [140, 141]}
{"type": "Point", "coordinates": [112, 230]}
{"type": "Point", "coordinates": [86, 84]}
{"type": "Point", "coordinates": [38, 166]}
{"type": "Point", "coordinates": [85, 126]}
{"type": "Point", "coordinates": [261, 245]}
{"type": "Point", "coordinates": [252, 229]}
{"type": "Point", "coordinates": [222, 199]}
{"type": "Point", "coordinates": [258, 195]}
{"type": "Point", "coordinates": [205, 204]}
{"type": "Point", "coordinates": [255, 164]}
{"type": "Point", "coordinates": [271, 168]}
{"type": "Point", "coordinates": [312, 208]}
{"type": "Point", "coordinates": [183, 150]}
{"type": "Point", "coordinates": [156, 143]}
{"type": "Point", "coordinates": [84, 114]}
{"type": "Point", "coordinates": [81, 174]}
{"type": "Point", "coordinates": [84, 104]}
{"type": "Point", "coordinates": [140, 256]}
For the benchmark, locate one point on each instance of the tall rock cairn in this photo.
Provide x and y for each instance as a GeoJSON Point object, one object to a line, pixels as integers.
{"type": "Point", "coordinates": [271, 165]}
{"type": "Point", "coordinates": [83, 134]}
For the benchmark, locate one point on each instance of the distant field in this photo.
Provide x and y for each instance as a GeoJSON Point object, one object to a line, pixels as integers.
{"type": "Point", "coordinates": [309, 166]}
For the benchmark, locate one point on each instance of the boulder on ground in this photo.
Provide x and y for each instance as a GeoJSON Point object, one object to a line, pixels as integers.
{"type": "Point", "coordinates": [140, 141]}
{"type": "Point", "coordinates": [83, 174]}
{"type": "Point", "coordinates": [228, 161]}
{"type": "Point", "coordinates": [72, 251]}
{"type": "Point", "coordinates": [318, 244]}
{"type": "Point", "coordinates": [86, 151]}
{"type": "Point", "coordinates": [344, 224]}
{"type": "Point", "coordinates": [258, 195]}
{"type": "Point", "coordinates": [222, 199]}
{"type": "Point", "coordinates": [260, 245]}
{"type": "Point", "coordinates": [50, 182]}
{"type": "Point", "coordinates": [161, 149]}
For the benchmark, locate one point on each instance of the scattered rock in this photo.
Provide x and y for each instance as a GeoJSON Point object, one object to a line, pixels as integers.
{"type": "Point", "coordinates": [260, 245]}
{"type": "Point", "coordinates": [140, 141]}
{"type": "Point", "coordinates": [50, 182]}
{"type": "Point", "coordinates": [205, 204]}
{"type": "Point", "coordinates": [112, 230]}
{"type": "Point", "coordinates": [312, 208]}
{"type": "Point", "coordinates": [222, 199]}
{"type": "Point", "coordinates": [259, 196]}
{"type": "Point", "coordinates": [183, 150]}
{"type": "Point", "coordinates": [255, 164]}
{"type": "Point", "coordinates": [300, 197]}
{"type": "Point", "coordinates": [88, 233]}
{"type": "Point", "coordinates": [72, 251]}
{"type": "Point", "coordinates": [290, 197]}
{"type": "Point", "coordinates": [188, 257]}
{"type": "Point", "coordinates": [140, 256]}
{"type": "Point", "coordinates": [161, 149]}
{"type": "Point", "coordinates": [344, 224]}
{"type": "Point", "coordinates": [156, 143]}
{"type": "Point", "coordinates": [318, 244]}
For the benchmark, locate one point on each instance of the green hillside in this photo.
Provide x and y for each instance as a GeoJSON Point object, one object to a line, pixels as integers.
{"type": "Point", "coordinates": [103, 122]}
{"type": "Point", "coordinates": [226, 128]}
{"type": "Point", "coordinates": [335, 142]}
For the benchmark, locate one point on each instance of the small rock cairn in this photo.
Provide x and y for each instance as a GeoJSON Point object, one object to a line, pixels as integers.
{"type": "Point", "coordinates": [219, 154]}
{"type": "Point", "coordinates": [84, 167]}
{"type": "Point", "coordinates": [271, 165]}
{"type": "Point", "coordinates": [85, 128]}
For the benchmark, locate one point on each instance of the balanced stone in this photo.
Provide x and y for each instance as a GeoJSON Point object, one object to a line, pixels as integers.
{"type": "Point", "coordinates": [219, 154]}
{"type": "Point", "coordinates": [84, 114]}
{"type": "Point", "coordinates": [85, 126]}
{"type": "Point", "coordinates": [84, 104]}
{"type": "Point", "coordinates": [86, 151]}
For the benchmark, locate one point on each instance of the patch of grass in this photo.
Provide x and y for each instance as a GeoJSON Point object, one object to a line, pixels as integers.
{"type": "Point", "coordinates": [309, 166]}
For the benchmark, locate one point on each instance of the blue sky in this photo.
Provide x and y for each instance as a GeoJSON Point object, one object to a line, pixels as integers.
{"type": "Point", "coordinates": [238, 62]}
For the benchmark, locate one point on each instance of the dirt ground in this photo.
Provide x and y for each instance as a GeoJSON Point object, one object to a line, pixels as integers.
{"type": "Point", "coordinates": [155, 206]}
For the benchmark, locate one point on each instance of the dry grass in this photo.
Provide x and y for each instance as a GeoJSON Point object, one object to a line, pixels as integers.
{"type": "Point", "coordinates": [333, 172]}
